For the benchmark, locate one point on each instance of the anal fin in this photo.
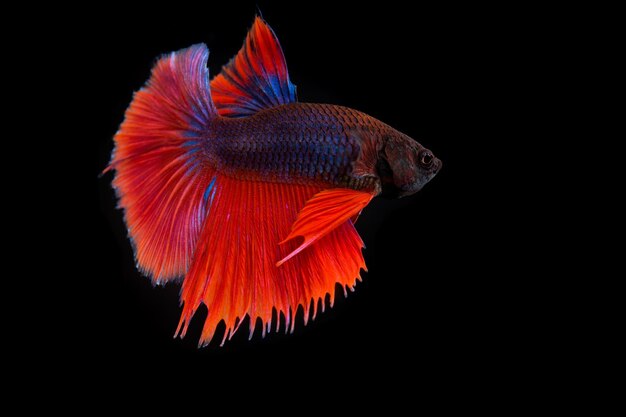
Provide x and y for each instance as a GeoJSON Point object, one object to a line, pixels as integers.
{"type": "Point", "coordinates": [234, 270]}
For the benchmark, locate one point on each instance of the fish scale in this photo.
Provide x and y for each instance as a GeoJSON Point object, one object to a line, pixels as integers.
{"type": "Point", "coordinates": [296, 142]}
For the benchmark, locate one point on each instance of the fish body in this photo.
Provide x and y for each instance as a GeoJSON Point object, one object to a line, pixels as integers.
{"type": "Point", "coordinates": [294, 143]}
{"type": "Point", "coordinates": [325, 144]}
{"type": "Point", "coordinates": [248, 194]}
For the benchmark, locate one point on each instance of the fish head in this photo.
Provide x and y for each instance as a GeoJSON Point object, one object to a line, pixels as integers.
{"type": "Point", "coordinates": [405, 166]}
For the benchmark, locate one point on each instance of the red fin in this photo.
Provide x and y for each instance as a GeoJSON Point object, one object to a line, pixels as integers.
{"type": "Point", "coordinates": [323, 213]}
{"type": "Point", "coordinates": [256, 78]}
{"type": "Point", "coordinates": [160, 182]}
{"type": "Point", "coordinates": [234, 272]}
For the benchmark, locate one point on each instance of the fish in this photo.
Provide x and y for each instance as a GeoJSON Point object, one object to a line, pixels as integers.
{"type": "Point", "coordinates": [248, 195]}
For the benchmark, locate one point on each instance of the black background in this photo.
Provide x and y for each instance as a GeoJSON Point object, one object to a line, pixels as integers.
{"type": "Point", "coordinates": [436, 298]}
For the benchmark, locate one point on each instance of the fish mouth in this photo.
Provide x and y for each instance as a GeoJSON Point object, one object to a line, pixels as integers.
{"type": "Point", "coordinates": [438, 165]}
{"type": "Point", "coordinates": [411, 189]}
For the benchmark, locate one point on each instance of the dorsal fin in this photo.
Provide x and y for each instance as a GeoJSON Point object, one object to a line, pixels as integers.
{"type": "Point", "coordinates": [256, 78]}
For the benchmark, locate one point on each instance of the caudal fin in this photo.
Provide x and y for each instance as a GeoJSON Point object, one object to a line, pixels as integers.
{"type": "Point", "coordinates": [161, 182]}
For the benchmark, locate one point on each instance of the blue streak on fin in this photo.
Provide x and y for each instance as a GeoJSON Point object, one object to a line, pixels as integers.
{"type": "Point", "coordinates": [209, 189]}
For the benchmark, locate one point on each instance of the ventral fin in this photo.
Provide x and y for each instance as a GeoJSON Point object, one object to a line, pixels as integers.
{"type": "Point", "coordinates": [256, 78]}
{"type": "Point", "coordinates": [323, 213]}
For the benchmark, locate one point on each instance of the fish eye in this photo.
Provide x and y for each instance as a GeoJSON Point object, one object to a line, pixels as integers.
{"type": "Point", "coordinates": [426, 158]}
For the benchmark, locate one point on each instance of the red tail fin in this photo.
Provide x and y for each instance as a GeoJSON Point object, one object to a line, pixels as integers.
{"type": "Point", "coordinates": [161, 184]}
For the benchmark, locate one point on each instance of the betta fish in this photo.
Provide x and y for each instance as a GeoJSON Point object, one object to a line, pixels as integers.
{"type": "Point", "coordinates": [248, 194]}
